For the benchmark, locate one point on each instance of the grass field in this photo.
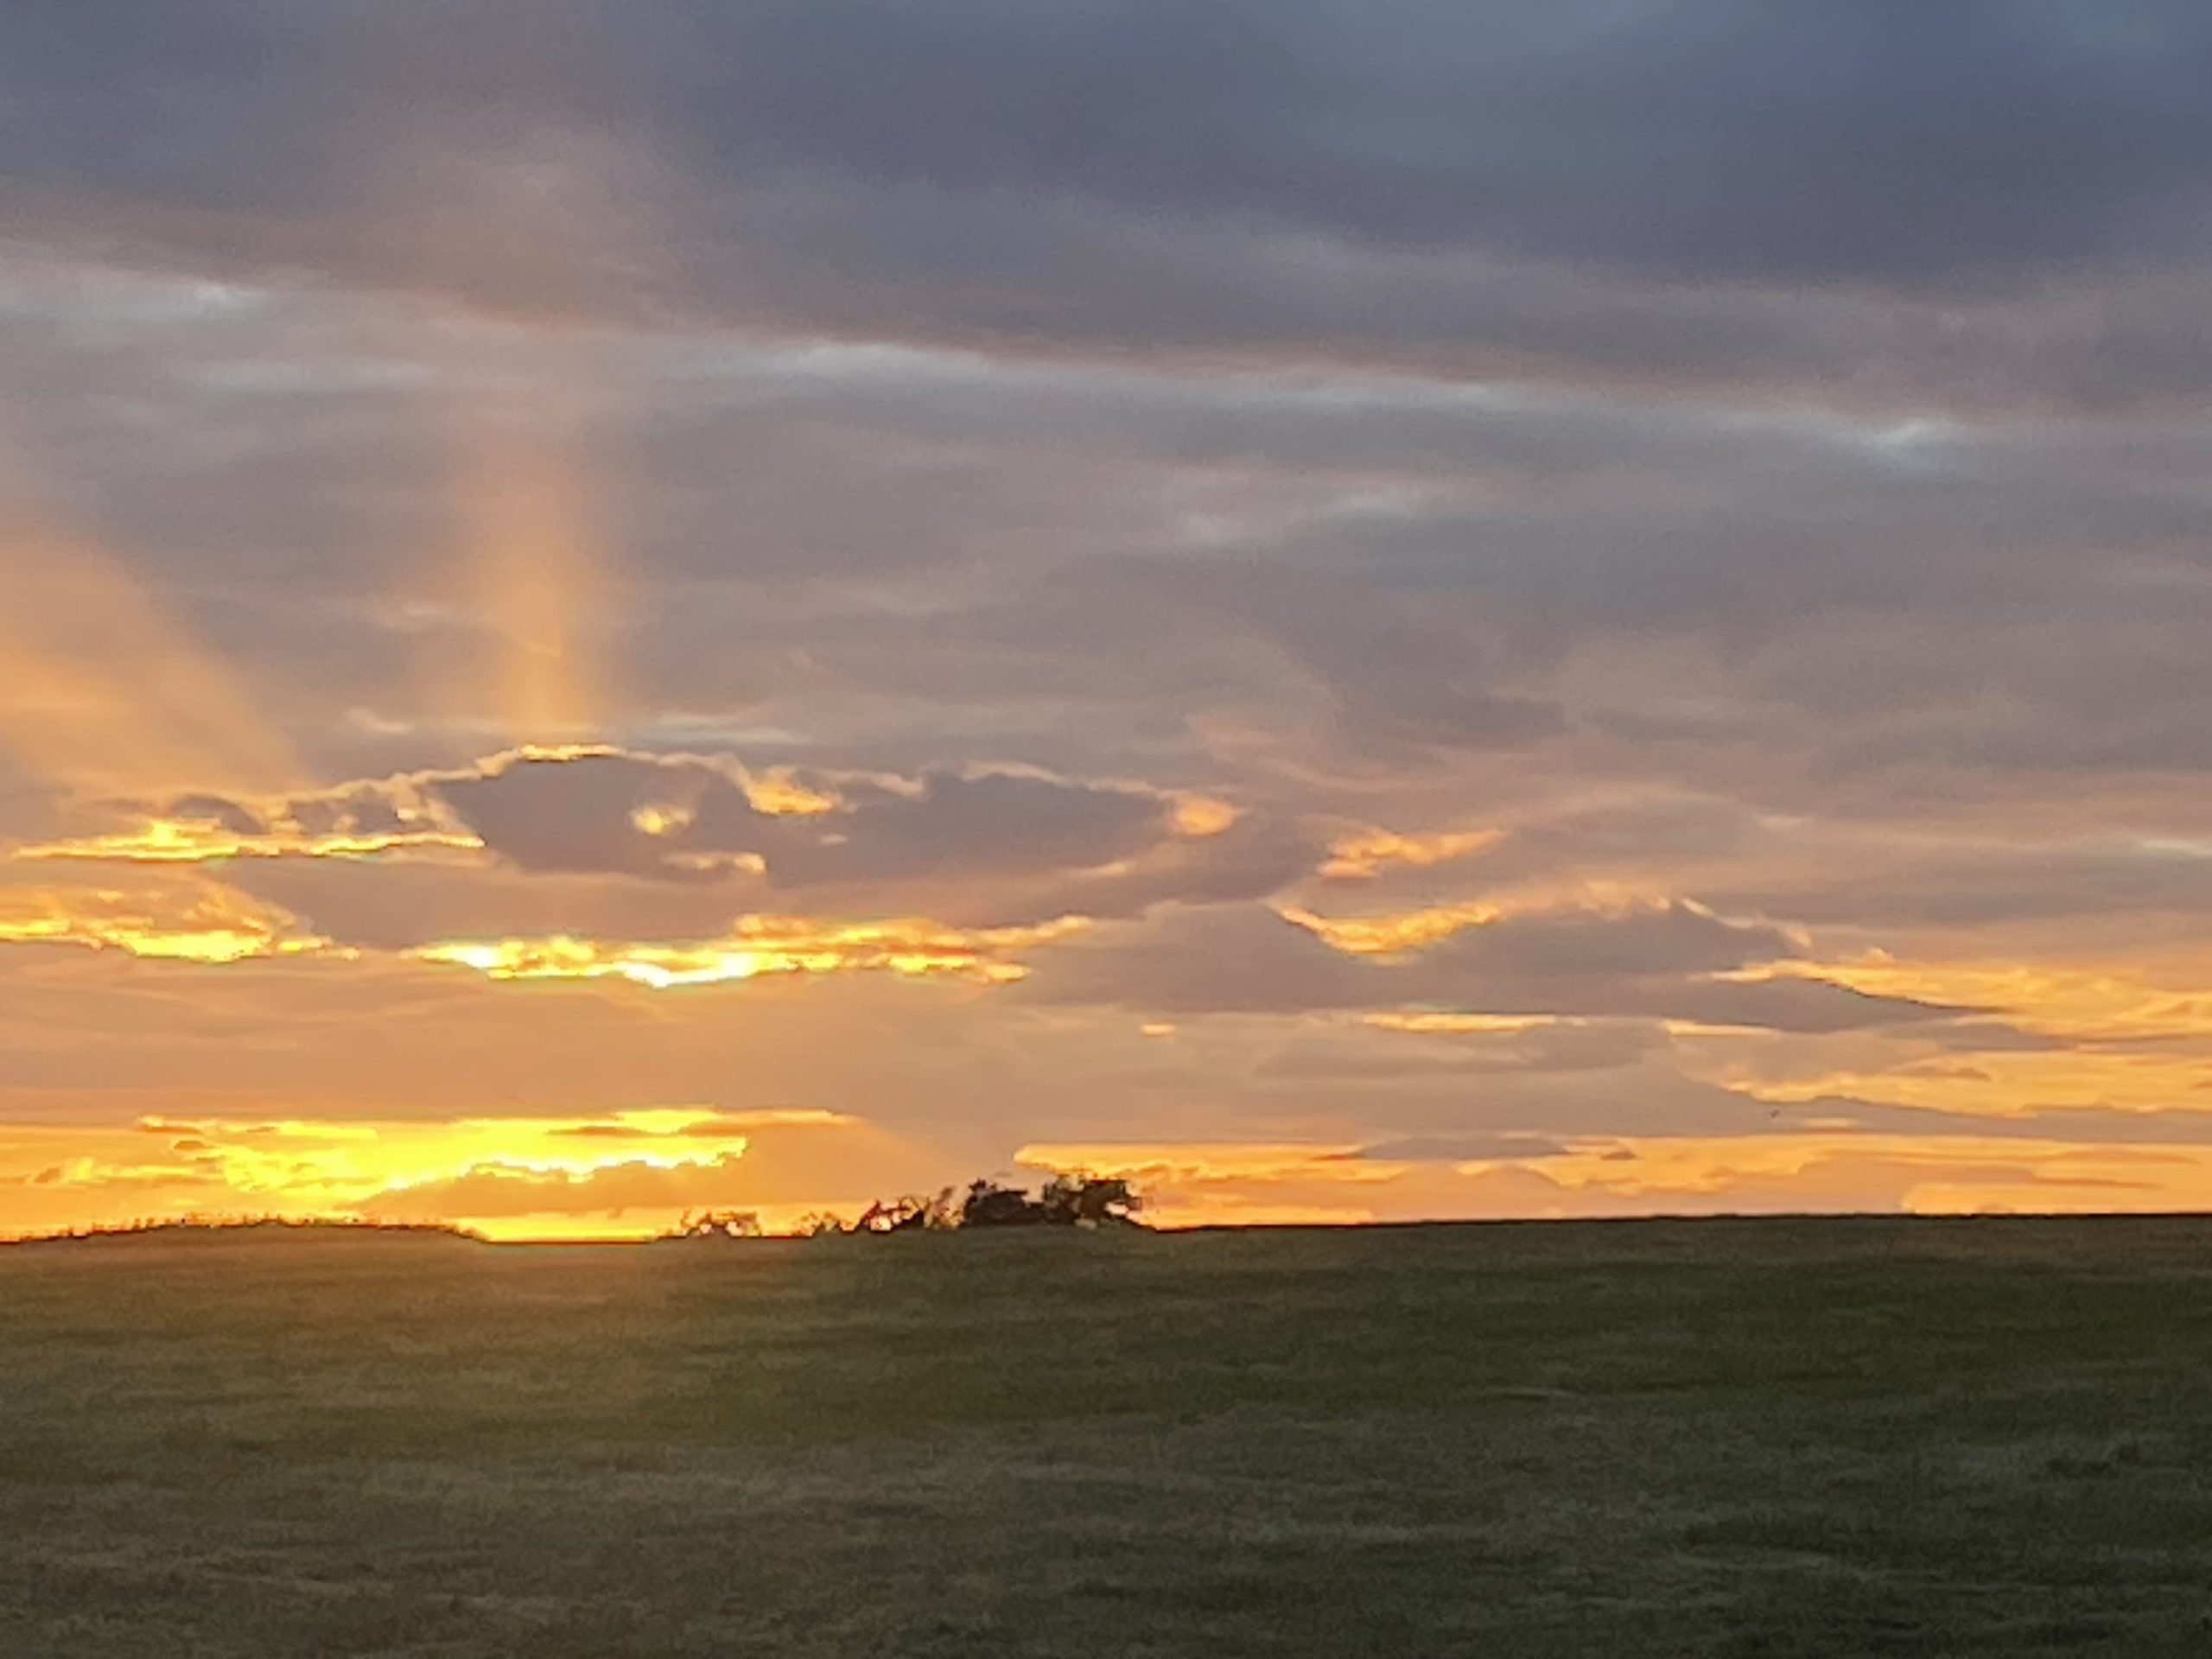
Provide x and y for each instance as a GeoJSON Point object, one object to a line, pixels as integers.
{"type": "Point", "coordinates": [1732, 1438]}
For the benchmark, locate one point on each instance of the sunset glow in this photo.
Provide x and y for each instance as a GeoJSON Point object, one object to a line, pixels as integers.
{"type": "Point", "coordinates": [1325, 632]}
{"type": "Point", "coordinates": [624, 1174]}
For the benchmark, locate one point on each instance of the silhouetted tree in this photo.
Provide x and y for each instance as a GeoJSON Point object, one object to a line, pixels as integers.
{"type": "Point", "coordinates": [989, 1204]}
{"type": "Point", "coordinates": [1089, 1201]}
{"type": "Point", "coordinates": [718, 1223]}
{"type": "Point", "coordinates": [908, 1214]}
{"type": "Point", "coordinates": [1086, 1201]}
{"type": "Point", "coordinates": [1066, 1201]}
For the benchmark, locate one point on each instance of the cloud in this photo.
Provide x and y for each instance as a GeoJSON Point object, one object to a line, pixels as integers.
{"type": "Point", "coordinates": [181, 921]}
{"type": "Point", "coordinates": [629, 1174]}
{"type": "Point", "coordinates": [688, 817]}
{"type": "Point", "coordinates": [1671, 961]}
{"type": "Point", "coordinates": [359, 822]}
{"type": "Point", "coordinates": [763, 945]}
{"type": "Point", "coordinates": [602, 809]}
{"type": "Point", "coordinates": [1586, 188]}
{"type": "Point", "coordinates": [2079, 1002]}
{"type": "Point", "coordinates": [1790, 1172]}
{"type": "Point", "coordinates": [1019, 850]}
{"type": "Point", "coordinates": [1364, 854]}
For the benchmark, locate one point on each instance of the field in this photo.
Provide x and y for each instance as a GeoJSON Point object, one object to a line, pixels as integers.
{"type": "Point", "coordinates": [1731, 1438]}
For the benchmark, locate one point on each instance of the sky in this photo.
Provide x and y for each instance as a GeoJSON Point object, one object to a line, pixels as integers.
{"type": "Point", "coordinates": [1352, 611]}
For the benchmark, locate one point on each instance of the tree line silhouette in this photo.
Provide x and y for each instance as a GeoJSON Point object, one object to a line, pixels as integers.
{"type": "Point", "coordinates": [213, 1223]}
{"type": "Point", "coordinates": [1083, 1201]}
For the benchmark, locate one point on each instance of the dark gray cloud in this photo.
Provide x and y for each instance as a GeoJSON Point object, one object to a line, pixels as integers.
{"type": "Point", "coordinates": [1701, 193]}
{"type": "Point", "coordinates": [1721, 138]}
{"type": "Point", "coordinates": [632, 846]}
{"type": "Point", "coordinates": [1007, 846]}
{"type": "Point", "coordinates": [1728, 136]}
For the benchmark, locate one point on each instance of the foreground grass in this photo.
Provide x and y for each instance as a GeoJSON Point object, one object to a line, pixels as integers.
{"type": "Point", "coordinates": [1733, 1438]}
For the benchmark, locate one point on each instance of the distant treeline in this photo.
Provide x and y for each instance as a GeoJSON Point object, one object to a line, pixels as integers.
{"type": "Point", "coordinates": [1086, 1201]}
{"type": "Point", "coordinates": [269, 1226]}
{"type": "Point", "coordinates": [1083, 1201]}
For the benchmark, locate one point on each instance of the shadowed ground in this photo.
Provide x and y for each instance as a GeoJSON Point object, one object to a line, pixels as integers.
{"type": "Point", "coordinates": [1735, 1437]}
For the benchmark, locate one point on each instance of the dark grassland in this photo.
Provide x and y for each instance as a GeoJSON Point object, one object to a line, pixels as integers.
{"type": "Point", "coordinates": [1728, 1438]}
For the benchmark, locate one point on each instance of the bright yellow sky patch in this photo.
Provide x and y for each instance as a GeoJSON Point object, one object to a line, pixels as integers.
{"type": "Point", "coordinates": [764, 944]}
{"type": "Point", "coordinates": [620, 1174]}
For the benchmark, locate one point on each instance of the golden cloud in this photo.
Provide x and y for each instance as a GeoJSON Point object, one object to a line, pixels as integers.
{"type": "Point", "coordinates": [760, 945]}
{"type": "Point", "coordinates": [2083, 1003]}
{"type": "Point", "coordinates": [1367, 855]}
{"type": "Point", "coordinates": [1465, 1025]}
{"type": "Point", "coordinates": [2112, 1038]}
{"type": "Point", "coordinates": [362, 819]}
{"type": "Point", "coordinates": [1393, 935]}
{"type": "Point", "coordinates": [202, 922]}
{"type": "Point", "coordinates": [2004, 1084]}
{"type": "Point", "coordinates": [205, 840]}
{"type": "Point", "coordinates": [1200, 817]}
{"type": "Point", "coordinates": [779, 794]}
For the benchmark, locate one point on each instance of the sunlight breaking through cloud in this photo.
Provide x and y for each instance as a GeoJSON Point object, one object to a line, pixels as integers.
{"type": "Point", "coordinates": [765, 945]}
{"type": "Point", "coordinates": [206, 841]}
{"type": "Point", "coordinates": [206, 924]}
